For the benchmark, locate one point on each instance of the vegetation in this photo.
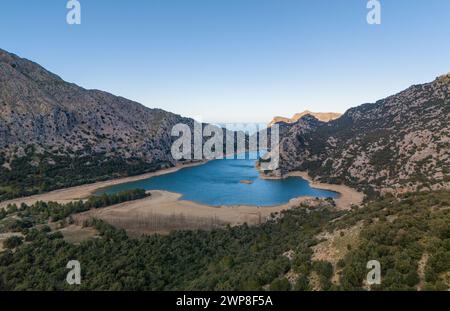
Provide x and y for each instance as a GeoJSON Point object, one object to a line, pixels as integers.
{"type": "Point", "coordinates": [12, 242]}
{"type": "Point", "coordinates": [36, 173]}
{"type": "Point", "coordinates": [26, 216]}
{"type": "Point", "coordinates": [397, 232]}
{"type": "Point", "coordinates": [234, 258]}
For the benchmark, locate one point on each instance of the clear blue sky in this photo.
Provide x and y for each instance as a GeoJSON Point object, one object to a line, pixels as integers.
{"type": "Point", "coordinates": [235, 60]}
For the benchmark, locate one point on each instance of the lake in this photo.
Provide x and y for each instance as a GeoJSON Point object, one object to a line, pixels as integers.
{"type": "Point", "coordinates": [220, 182]}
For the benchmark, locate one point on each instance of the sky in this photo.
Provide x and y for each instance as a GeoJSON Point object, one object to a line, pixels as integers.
{"type": "Point", "coordinates": [235, 60]}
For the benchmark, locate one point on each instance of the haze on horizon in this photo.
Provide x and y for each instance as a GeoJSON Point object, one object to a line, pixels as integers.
{"type": "Point", "coordinates": [235, 61]}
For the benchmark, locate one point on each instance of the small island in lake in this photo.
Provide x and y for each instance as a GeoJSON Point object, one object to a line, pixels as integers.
{"type": "Point", "coordinates": [246, 181]}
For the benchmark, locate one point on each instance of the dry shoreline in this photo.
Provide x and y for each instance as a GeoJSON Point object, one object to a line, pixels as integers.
{"type": "Point", "coordinates": [348, 196]}
{"type": "Point", "coordinates": [168, 204]}
{"type": "Point", "coordinates": [84, 191]}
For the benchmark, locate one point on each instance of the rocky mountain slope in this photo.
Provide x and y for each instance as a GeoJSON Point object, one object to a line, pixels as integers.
{"type": "Point", "coordinates": [321, 116]}
{"type": "Point", "coordinates": [37, 107]}
{"type": "Point", "coordinates": [55, 134]}
{"type": "Point", "coordinates": [397, 144]}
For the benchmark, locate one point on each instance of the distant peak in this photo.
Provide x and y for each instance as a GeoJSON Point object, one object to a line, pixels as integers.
{"type": "Point", "coordinates": [321, 116]}
{"type": "Point", "coordinates": [445, 78]}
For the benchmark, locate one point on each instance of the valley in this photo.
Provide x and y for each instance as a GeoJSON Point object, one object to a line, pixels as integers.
{"type": "Point", "coordinates": [176, 212]}
{"type": "Point", "coordinates": [85, 174]}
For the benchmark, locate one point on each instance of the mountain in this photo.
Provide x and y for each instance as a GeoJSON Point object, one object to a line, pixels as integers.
{"type": "Point", "coordinates": [55, 134]}
{"type": "Point", "coordinates": [38, 107]}
{"type": "Point", "coordinates": [321, 116]}
{"type": "Point", "coordinates": [400, 143]}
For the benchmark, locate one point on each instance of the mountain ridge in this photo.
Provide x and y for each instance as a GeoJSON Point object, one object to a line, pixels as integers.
{"type": "Point", "coordinates": [321, 116]}
{"type": "Point", "coordinates": [398, 144]}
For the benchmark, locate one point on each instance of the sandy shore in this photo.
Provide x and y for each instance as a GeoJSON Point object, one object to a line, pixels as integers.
{"type": "Point", "coordinates": [348, 196]}
{"type": "Point", "coordinates": [163, 204]}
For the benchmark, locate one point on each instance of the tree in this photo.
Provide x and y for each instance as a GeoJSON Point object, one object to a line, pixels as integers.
{"type": "Point", "coordinates": [12, 242]}
{"type": "Point", "coordinates": [302, 284]}
{"type": "Point", "coordinates": [280, 284]}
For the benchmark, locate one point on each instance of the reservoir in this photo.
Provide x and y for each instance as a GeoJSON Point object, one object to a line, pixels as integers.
{"type": "Point", "coordinates": [227, 182]}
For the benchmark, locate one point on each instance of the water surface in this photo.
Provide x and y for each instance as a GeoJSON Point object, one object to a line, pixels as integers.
{"type": "Point", "coordinates": [219, 182]}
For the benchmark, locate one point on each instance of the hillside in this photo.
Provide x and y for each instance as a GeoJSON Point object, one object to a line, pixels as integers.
{"type": "Point", "coordinates": [55, 134]}
{"type": "Point", "coordinates": [409, 235]}
{"type": "Point", "coordinates": [400, 143]}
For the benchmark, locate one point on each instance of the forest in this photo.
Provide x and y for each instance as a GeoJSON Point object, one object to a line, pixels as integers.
{"type": "Point", "coordinates": [18, 219]}
{"type": "Point", "coordinates": [36, 172]}
{"type": "Point", "coordinates": [277, 255]}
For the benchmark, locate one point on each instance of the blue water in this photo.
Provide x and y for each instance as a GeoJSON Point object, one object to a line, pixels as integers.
{"type": "Point", "coordinates": [218, 183]}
